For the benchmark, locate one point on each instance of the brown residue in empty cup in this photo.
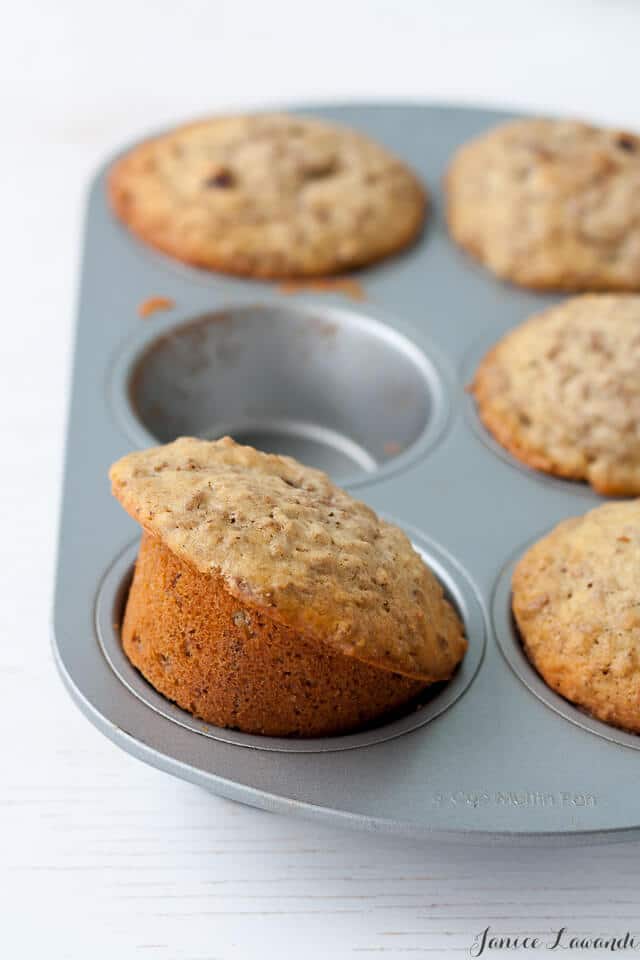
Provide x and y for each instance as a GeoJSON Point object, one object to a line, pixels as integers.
{"type": "Point", "coordinates": [392, 449]}
{"type": "Point", "coordinates": [153, 304]}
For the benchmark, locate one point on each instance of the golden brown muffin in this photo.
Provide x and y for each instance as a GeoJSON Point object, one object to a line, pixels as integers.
{"type": "Point", "coordinates": [575, 600]}
{"type": "Point", "coordinates": [269, 195]}
{"type": "Point", "coordinates": [550, 204]}
{"type": "Point", "coordinates": [233, 666]}
{"type": "Point", "coordinates": [561, 392]}
{"type": "Point", "coordinates": [267, 599]}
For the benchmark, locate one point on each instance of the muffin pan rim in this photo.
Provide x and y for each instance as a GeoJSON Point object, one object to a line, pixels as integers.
{"type": "Point", "coordinates": [428, 360]}
{"type": "Point", "coordinates": [458, 586]}
{"type": "Point", "coordinates": [264, 800]}
{"type": "Point", "coordinates": [508, 638]}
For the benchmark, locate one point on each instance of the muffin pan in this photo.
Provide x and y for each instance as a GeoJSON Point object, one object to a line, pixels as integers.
{"type": "Point", "coordinates": [372, 391]}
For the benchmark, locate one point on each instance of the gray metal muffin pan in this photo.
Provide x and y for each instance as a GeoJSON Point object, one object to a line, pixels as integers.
{"type": "Point", "coordinates": [372, 391]}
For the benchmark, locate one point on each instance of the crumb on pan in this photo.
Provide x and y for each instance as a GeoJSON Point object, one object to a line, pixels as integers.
{"type": "Point", "coordinates": [345, 285]}
{"type": "Point", "coordinates": [153, 305]}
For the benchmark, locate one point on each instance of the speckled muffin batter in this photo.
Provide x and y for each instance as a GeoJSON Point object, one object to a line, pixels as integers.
{"type": "Point", "coordinates": [550, 204]}
{"type": "Point", "coordinates": [562, 391]}
{"type": "Point", "coordinates": [576, 603]}
{"type": "Point", "coordinates": [270, 196]}
{"type": "Point", "coordinates": [238, 540]}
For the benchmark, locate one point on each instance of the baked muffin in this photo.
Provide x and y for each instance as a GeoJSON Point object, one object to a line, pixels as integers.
{"type": "Point", "coordinates": [550, 204]}
{"type": "Point", "coordinates": [269, 195]}
{"type": "Point", "coordinates": [561, 392]}
{"type": "Point", "coordinates": [575, 600]}
{"type": "Point", "coordinates": [268, 600]}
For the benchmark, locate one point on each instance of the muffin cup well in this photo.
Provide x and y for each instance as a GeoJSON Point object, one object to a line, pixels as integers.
{"type": "Point", "coordinates": [335, 389]}
{"type": "Point", "coordinates": [413, 713]}
{"type": "Point", "coordinates": [510, 643]}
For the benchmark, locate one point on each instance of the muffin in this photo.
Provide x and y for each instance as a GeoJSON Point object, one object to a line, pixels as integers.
{"type": "Point", "coordinates": [267, 600]}
{"type": "Point", "coordinates": [270, 196]}
{"type": "Point", "coordinates": [550, 204]}
{"type": "Point", "coordinates": [561, 392]}
{"type": "Point", "coordinates": [575, 600]}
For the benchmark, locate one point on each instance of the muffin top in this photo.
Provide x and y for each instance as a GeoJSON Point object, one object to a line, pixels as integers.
{"type": "Point", "coordinates": [575, 598]}
{"type": "Point", "coordinates": [268, 195]}
{"type": "Point", "coordinates": [562, 391]}
{"type": "Point", "coordinates": [286, 540]}
{"type": "Point", "coordinates": [550, 204]}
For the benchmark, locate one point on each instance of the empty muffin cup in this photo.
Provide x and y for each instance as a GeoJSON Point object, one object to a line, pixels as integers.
{"type": "Point", "coordinates": [336, 390]}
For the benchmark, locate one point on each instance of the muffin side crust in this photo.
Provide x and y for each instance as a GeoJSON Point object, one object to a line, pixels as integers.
{"type": "Point", "coordinates": [233, 666]}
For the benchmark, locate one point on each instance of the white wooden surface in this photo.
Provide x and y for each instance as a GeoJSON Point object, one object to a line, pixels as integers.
{"type": "Point", "coordinates": [97, 852]}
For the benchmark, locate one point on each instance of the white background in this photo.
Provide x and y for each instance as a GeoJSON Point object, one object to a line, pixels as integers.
{"type": "Point", "coordinates": [99, 853]}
